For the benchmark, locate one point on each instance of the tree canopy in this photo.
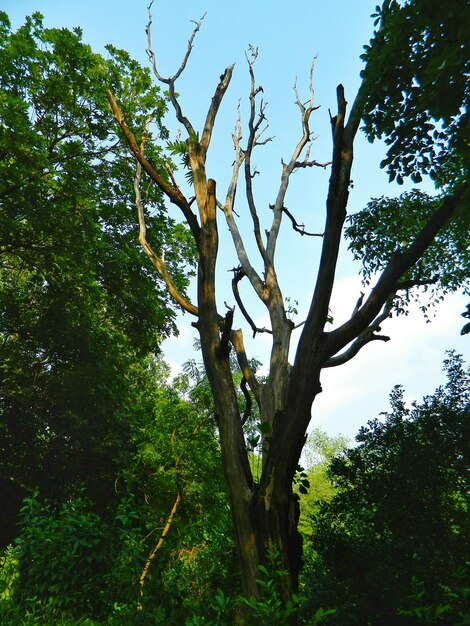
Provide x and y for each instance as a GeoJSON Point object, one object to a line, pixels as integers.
{"type": "Point", "coordinates": [399, 516]}
{"type": "Point", "coordinates": [265, 510]}
{"type": "Point", "coordinates": [78, 315]}
{"type": "Point", "coordinates": [417, 67]}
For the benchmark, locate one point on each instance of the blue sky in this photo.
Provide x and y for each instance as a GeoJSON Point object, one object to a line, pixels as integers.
{"type": "Point", "coordinates": [289, 36]}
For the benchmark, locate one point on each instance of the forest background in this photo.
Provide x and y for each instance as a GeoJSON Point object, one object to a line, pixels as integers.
{"type": "Point", "coordinates": [146, 436]}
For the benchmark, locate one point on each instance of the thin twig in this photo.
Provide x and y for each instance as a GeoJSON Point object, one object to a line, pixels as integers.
{"type": "Point", "coordinates": [305, 142]}
{"type": "Point", "coordinates": [171, 80]}
{"type": "Point", "coordinates": [300, 228]}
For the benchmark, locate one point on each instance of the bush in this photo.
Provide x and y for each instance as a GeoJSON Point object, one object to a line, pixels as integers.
{"type": "Point", "coordinates": [62, 557]}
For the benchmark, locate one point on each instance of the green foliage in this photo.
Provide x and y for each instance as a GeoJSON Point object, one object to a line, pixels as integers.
{"type": "Point", "coordinates": [256, 431]}
{"type": "Point", "coordinates": [400, 512]}
{"type": "Point", "coordinates": [9, 575]}
{"type": "Point", "coordinates": [62, 557]}
{"type": "Point", "coordinates": [416, 98]}
{"type": "Point", "coordinates": [78, 316]}
{"type": "Point", "coordinates": [389, 225]}
{"type": "Point", "coordinates": [301, 480]}
{"type": "Point", "coordinates": [417, 70]}
{"type": "Point", "coordinates": [269, 609]}
{"type": "Point", "coordinates": [319, 451]}
{"type": "Point", "coordinates": [291, 307]}
{"type": "Point", "coordinates": [180, 150]}
{"type": "Point", "coordinates": [72, 563]}
{"type": "Point", "coordinates": [453, 607]}
{"type": "Point", "coordinates": [177, 451]}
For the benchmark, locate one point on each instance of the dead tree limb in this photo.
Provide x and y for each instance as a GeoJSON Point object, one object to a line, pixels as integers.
{"type": "Point", "coordinates": [172, 193]}
{"type": "Point", "coordinates": [158, 262]}
{"type": "Point", "coordinates": [300, 228]}
{"type": "Point", "coordinates": [238, 275]}
{"type": "Point", "coordinates": [368, 335]}
{"type": "Point", "coordinates": [171, 80]}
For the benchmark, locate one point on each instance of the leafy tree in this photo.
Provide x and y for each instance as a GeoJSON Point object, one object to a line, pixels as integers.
{"type": "Point", "coordinates": [320, 449]}
{"type": "Point", "coordinates": [400, 512]}
{"type": "Point", "coordinates": [189, 546]}
{"type": "Point", "coordinates": [162, 554]}
{"type": "Point", "coordinates": [77, 313]}
{"type": "Point", "coordinates": [83, 399]}
{"type": "Point", "coordinates": [417, 68]}
{"type": "Point", "coordinates": [386, 226]}
{"type": "Point", "coordinates": [265, 511]}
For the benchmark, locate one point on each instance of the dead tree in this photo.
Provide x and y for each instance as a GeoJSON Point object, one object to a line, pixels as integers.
{"type": "Point", "coordinates": [265, 513]}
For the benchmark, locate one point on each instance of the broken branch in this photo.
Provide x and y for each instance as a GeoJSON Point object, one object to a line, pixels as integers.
{"type": "Point", "coordinates": [239, 346]}
{"type": "Point", "coordinates": [224, 347]}
{"type": "Point", "coordinates": [300, 228]}
{"type": "Point", "coordinates": [364, 338]}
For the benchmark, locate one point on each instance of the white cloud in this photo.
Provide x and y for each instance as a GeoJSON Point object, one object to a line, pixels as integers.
{"type": "Point", "coordinates": [358, 391]}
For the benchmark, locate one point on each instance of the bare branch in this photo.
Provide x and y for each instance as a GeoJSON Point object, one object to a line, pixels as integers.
{"type": "Point", "coordinates": [388, 283]}
{"type": "Point", "coordinates": [306, 110]}
{"type": "Point", "coordinates": [238, 275]}
{"type": "Point", "coordinates": [173, 193]}
{"type": "Point", "coordinates": [338, 192]}
{"type": "Point", "coordinates": [239, 346]}
{"type": "Point", "coordinates": [237, 136]}
{"type": "Point", "coordinates": [254, 126]}
{"type": "Point", "coordinates": [242, 255]}
{"type": "Point", "coordinates": [409, 284]}
{"type": "Point", "coordinates": [359, 302]}
{"type": "Point", "coordinates": [224, 347]}
{"type": "Point", "coordinates": [171, 174]}
{"type": "Point", "coordinates": [364, 338]}
{"type": "Point", "coordinates": [214, 107]}
{"type": "Point", "coordinates": [300, 228]}
{"type": "Point", "coordinates": [158, 262]}
{"type": "Point", "coordinates": [307, 163]}
{"type": "Point", "coordinates": [171, 80]}
{"type": "Point", "coordinates": [152, 55]}
{"type": "Point", "coordinates": [228, 210]}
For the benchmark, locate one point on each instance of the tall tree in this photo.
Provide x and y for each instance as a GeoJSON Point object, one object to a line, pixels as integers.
{"type": "Point", "coordinates": [76, 310]}
{"type": "Point", "coordinates": [265, 511]}
{"type": "Point", "coordinates": [400, 512]}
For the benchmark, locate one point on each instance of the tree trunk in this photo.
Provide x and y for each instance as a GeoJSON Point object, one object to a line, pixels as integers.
{"type": "Point", "coordinates": [265, 515]}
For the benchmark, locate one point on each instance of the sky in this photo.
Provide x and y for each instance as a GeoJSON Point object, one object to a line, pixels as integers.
{"type": "Point", "coordinates": [289, 36]}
